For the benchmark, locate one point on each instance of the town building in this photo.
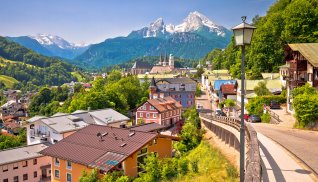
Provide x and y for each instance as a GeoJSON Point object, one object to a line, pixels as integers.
{"type": "Point", "coordinates": [228, 91]}
{"type": "Point", "coordinates": [140, 67]}
{"type": "Point", "coordinates": [161, 110]}
{"type": "Point", "coordinates": [180, 89]}
{"type": "Point", "coordinates": [274, 86]}
{"type": "Point", "coordinates": [302, 63]}
{"type": "Point", "coordinates": [55, 128]}
{"type": "Point", "coordinates": [107, 149]}
{"type": "Point", "coordinates": [209, 76]}
{"type": "Point", "coordinates": [25, 164]}
{"type": "Point", "coordinates": [216, 88]}
{"type": "Point", "coordinates": [164, 66]}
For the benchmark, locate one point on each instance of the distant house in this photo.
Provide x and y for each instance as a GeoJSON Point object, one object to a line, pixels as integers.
{"type": "Point", "coordinates": [274, 86]}
{"type": "Point", "coordinates": [180, 89]}
{"type": "Point", "coordinates": [217, 84]}
{"type": "Point", "coordinates": [59, 126]}
{"type": "Point", "coordinates": [25, 164]}
{"type": "Point", "coordinates": [12, 108]}
{"type": "Point", "coordinates": [164, 111]}
{"type": "Point", "coordinates": [228, 91]}
{"type": "Point", "coordinates": [148, 127]}
{"type": "Point", "coordinates": [140, 67]}
{"type": "Point", "coordinates": [106, 149]}
{"type": "Point", "coordinates": [302, 64]}
{"type": "Point", "coordinates": [209, 76]}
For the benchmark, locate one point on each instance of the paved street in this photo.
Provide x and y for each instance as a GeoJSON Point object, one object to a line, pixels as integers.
{"type": "Point", "coordinates": [303, 144]}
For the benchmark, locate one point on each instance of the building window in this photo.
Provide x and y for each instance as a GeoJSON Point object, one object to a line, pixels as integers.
{"type": "Point", "coordinates": [154, 115]}
{"type": "Point", "coordinates": [16, 179]}
{"type": "Point", "coordinates": [31, 126]}
{"type": "Point", "coordinates": [25, 177]}
{"type": "Point", "coordinates": [144, 107]}
{"type": "Point", "coordinates": [35, 174]}
{"type": "Point", "coordinates": [154, 141]}
{"type": "Point", "coordinates": [69, 165]}
{"type": "Point", "coordinates": [15, 166]}
{"type": "Point", "coordinates": [35, 161]}
{"type": "Point", "coordinates": [141, 155]}
{"type": "Point", "coordinates": [57, 162]}
{"type": "Point", "coordinates": [68, 177]}
{"type": "Point", "coordinates": [24, 163]}
{"type": "Point", "coordinates": [55, 141]}
{"type": "Point", "coordinates": [152, 108]}
{"type": "Point", "coordinates": [4, 168]}
{"type": "Point", "coordinates": [141, 115]}
{"type": "Point", "coordinates": [56, 173]}
{"type": "Point", "coordinates": [6, 180]}
{"type": "Point", "coordinates": [147, 115]}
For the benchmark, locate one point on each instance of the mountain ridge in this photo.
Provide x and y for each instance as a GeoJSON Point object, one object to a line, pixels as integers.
{"type": "Point", "coordinates": [192, 39]}
{"type": "Point", "coordinates": [50, 45]}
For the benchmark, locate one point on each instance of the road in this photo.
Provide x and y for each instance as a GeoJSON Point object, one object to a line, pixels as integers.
{"type": "Point", "coordinates": [303, 144]}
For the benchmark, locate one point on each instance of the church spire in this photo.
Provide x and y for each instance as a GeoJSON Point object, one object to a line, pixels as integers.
{"type": "Point", "coordinates": [160, 60]}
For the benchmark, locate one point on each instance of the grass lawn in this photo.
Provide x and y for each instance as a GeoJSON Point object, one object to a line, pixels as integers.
{"type": "Point", "coordinates": [212, 166]}
{"type": "Point", "coordinates": [8, 81]}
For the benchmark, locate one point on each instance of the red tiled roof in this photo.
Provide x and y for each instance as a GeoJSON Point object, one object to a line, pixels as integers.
{"type": "Point", "coordinates": [165, 104]}
{"type": "Point", "coordinates": [228, 89]}
{"type": "Point", "coordinates": [84, 147]}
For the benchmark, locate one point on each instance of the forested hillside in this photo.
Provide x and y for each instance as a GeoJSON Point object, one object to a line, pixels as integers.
{"type": "Point", "coordinates": [30, 68]}
{"type": "Point", "coordinates": [287, 21]}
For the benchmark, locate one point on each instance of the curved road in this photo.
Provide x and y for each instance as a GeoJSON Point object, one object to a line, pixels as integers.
{"type": "Point", "coordinates": [303, 144]}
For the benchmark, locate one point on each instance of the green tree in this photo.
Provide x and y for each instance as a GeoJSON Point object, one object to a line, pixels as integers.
{"type": "Point", "coordinates": [261, 89]}
{"type": "Point", "coordinates": [91, 177]}
{"type": "Point", "coordinates": [152, 169]}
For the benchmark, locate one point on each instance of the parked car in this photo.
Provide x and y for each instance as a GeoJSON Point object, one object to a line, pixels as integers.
{"type": "Point", "coordinates": [274, 105]}
{"type": "Point", "coordinates": [219, 112]}
{"type": "Point", "coordinates": [254, 118]}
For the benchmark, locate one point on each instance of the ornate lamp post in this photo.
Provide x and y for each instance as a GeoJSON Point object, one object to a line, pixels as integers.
{"type": "Point", "coordinates": [243, 36]}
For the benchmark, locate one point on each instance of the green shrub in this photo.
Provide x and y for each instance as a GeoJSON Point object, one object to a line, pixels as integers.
{"type": "Point", "coordinates": [266, 118]}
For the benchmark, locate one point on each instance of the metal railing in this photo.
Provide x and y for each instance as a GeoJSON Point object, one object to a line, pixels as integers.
{"type": "Point", "coordinates": [253, 169]}
{"type": "Point", "coordinates": [274, 115]}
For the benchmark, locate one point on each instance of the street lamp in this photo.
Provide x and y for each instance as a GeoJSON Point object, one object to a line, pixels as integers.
{"type": "Point", "coordinates": [243, 36]}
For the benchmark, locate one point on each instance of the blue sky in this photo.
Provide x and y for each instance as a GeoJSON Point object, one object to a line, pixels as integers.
{"type": "Point", "coordinates": [92, 21]}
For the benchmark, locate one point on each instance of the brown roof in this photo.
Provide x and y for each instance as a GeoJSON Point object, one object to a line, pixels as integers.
{"type": "Point", "coordinates": [228, 89]}
{"type": "Point", "coordinates": [146, 127]}
{"type": "Point", "coordinates": [84, 147]}
{"type": "Point", "coordinates": [164, 104]}
{"type": "Point", "coordinates": [160, 69]}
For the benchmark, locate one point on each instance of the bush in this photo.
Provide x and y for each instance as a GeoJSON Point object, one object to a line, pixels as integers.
{"type": "Point", "coordinates": [266, 118]}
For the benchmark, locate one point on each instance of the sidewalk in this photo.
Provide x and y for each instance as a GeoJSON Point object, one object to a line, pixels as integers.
{"type": "Point", "coordinates": [278, 165]}
{"type": "Point", "coordinates": [287, 118]}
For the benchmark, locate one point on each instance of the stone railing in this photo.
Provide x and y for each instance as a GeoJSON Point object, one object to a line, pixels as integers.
{"type": "Point", "coordinates": [253, 172]}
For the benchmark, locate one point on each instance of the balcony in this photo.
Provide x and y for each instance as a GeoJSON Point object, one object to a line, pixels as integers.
{"type": "Point", "coordinates": [39, 134]}
{"type": "Point", "coordinates": [297, 83]}
{"type": "Point", "coordinates": [298, 65]}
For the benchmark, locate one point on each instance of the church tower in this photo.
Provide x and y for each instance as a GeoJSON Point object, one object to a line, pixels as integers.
{"type": "Point", "coordinates": [171, 61]}
{"type": "Point", "coordinates": [160, 60]}
{"type": "Point", "coordinates": [153, 89]}
{"type": "Point", "coordinates": [165, 60]}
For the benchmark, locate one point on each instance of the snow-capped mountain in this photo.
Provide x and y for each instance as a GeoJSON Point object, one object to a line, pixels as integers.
{"type": "Point", "coordinates": [48, 40]}
{"type": "Point", "coordinates": [192, 23]}
{"type": "Point", "coordinates": [51, 45]}
{"type": "Point", "coordinates": [192, 39]}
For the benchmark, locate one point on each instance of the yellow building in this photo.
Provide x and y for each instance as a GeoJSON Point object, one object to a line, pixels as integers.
{"type": "Point", "coordinates": [106, 149]}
